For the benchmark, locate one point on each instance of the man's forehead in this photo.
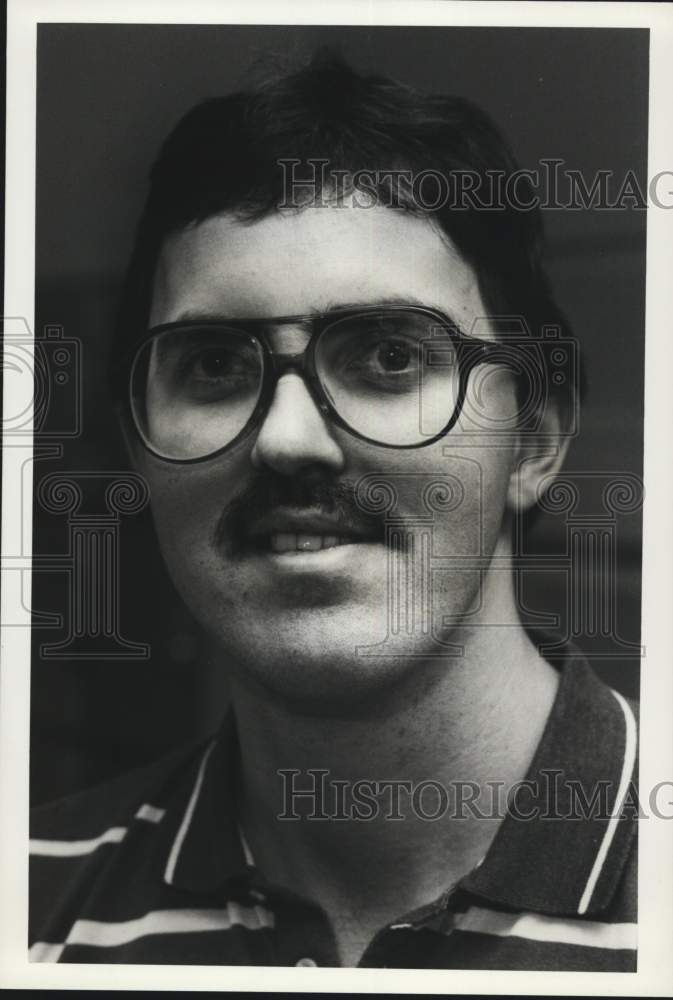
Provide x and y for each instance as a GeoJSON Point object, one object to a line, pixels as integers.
{"type": "Point", "coordinates": [296, 262]}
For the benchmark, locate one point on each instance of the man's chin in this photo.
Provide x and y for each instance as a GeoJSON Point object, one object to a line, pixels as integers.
{"type": "Point", "coordinates": [345, 677]}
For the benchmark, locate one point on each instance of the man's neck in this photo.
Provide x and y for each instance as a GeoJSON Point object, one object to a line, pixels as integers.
{"type": "Point", "coordinates": [462, 723]}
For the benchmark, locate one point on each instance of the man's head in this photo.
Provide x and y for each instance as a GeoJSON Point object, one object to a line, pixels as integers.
{"type": "Point", "coordinates": [265, 498]}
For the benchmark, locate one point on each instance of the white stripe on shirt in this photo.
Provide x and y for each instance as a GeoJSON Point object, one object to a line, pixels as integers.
{"type": "Point", "coordinates": [150, 813]}
{"type": "Point", "coordinates": [78, 848]}
{"type": "Point", "coordinates": [630, 742]}
{"type": "Point", "coordinates": [74, 848]}
{"type": "Point", "coordinates": [535, 927]}
{"type": "Point", "coordinates": [41, 951]}
{"type": "Point", "coordinates": [187, 818]}
{"type": "Point", "coordinates": [106, 934]}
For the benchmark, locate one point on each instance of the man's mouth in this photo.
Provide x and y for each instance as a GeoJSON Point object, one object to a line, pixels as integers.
{"type": "Point", "coordinates": [291, 542]}
{"type": "Point", "coordinates": [305, 531]}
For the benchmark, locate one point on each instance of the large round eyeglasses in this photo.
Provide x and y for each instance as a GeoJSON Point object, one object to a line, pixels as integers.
{"type": "Point", "coordinates": [394, 376]}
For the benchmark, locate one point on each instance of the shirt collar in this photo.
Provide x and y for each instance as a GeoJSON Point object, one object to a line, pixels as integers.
{"type": "Point", "coordinates": [547, 863]}
{"type": "Point", "coordinates": [568, 866]}
{"type": "Point", "coordinates": [204, 847]}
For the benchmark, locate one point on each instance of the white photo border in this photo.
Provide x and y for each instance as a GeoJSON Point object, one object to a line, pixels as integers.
{"type": "Point", "coordinates": [655, 955]}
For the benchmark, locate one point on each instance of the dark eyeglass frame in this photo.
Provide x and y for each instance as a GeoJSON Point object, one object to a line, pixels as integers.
{"type": "Point", "coordinates": [470, 351]}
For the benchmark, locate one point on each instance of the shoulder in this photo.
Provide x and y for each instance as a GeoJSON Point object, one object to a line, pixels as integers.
{"type": "Point", "coordinates": [75, 840]}
{"type": "Point", "coordinates": [86, 813]}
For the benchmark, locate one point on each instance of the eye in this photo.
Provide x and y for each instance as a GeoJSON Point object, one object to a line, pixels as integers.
{"type": "Point", "coordinates": [393, 355]}
{"type": "Point", "coordinates": [212, 371]}
{"type": "Point", "coordinates": [383, 356]}
{"type": "Point", "coordinates": [215, 363]}
{"type": "Point", "coordinates": [368, 354]}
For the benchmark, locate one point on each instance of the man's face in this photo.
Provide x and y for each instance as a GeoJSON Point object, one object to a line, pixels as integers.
{"type": "Point", "coordinates": [290, 617]}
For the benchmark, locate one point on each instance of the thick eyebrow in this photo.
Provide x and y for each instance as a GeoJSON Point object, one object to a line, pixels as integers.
{"type": "Point", "coordinates": [386, 300]}
{"type": "Point", "coordinates": [201, 316]}
{"type": "Point", "coordinates": [207, 316]}
{"type": "Point", "coordinates": [389, 300]}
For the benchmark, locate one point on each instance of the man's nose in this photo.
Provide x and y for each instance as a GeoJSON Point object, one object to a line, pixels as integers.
{"type": "Point", "coordinates": [294, 434]}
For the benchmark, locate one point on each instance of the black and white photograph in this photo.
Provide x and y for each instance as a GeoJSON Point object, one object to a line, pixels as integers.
{"type": "Point", "coordinates": [336, 561]}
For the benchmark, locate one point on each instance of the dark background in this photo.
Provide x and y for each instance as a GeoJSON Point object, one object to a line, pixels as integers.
{"type": "Point", "coordinates": [107, 96]}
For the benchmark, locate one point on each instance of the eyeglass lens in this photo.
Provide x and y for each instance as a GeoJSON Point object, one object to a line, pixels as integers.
{"type": "Point", "coordinates": [392, 377]}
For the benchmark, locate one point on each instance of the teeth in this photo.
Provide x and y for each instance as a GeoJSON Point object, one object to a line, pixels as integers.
{"type": "Point", "coordinates": [309, 543]}
{"type": "Point", "coordinates": [290, 542]}
{"type": "Point", "coordinates": [283, 542]}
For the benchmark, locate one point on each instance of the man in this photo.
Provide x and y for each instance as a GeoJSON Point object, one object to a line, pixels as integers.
{"type": "Point", "coordinates": [331, 380]}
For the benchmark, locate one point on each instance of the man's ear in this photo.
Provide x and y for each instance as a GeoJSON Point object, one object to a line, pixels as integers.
{"type": "Point", "coordinates": [538, 457]}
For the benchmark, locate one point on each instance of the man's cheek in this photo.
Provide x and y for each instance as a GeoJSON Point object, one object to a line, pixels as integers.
{"type": "Point", "coordinates": [185, 535]}
{"type": "Point", "coordinates": [449, 503]}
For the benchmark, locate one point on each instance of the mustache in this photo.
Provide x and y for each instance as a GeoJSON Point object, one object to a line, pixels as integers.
{"type": "Point", "coordinates": [267, 493]}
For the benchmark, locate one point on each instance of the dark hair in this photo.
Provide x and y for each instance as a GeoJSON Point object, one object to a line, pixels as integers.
{"type": "Point", "coordinates": [224, 156]}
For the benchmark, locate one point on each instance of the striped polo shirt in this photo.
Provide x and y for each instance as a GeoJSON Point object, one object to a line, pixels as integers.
{"type": "Point", "coordinates": [152, 867]}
